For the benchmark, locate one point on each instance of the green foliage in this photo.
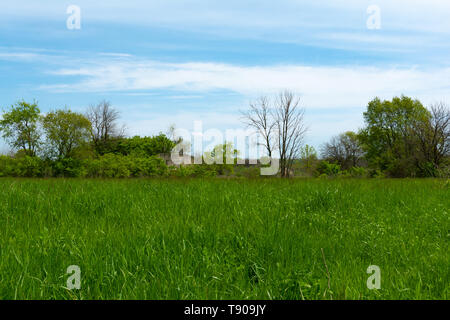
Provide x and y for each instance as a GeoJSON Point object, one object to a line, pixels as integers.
{"type": "Point", "coordinates": [376, 173]}
{"type": "Point", "coordinates": [204, 170]}
{"type": "Point", "coordinates": [221, 159]}
{"type": "Point", "coordinates": [107, 166]}
{"type": "Point", "coordinates": [388, 137]}
{"type": "Point", "coordinates": [328, 169]}
{"type": "Point", "coordinates": [443, 172]}
{"type": "Point", "coordinates": [358, 172]}
{"type": "Point", "coordinates": [69, 167]}
{"type": "Point", "coordinates": [65, 131]}
{"type": "Point", "coordinates": [181, 171]}
{"type": "Point", "coordinates": [25, 166]}
{"type": "Point", "coordinates": [6, 166]}
{"type": "Point", "coordinates": [308, 152]}
{"type": "Point", "coordinates": [141, 146]}
{"type": "Point", "coordinates": [119, 166]}
{"type": "Point", "coordinates": [196, 170]}
{"type": "Point", "coordinates": [401, 139]}
{"type": "Point", "coordinates": [19, 127]}
{"type": "Point", "coordinates": [308, 159]}
{"type": "Point", "coordinates": [222, 154]}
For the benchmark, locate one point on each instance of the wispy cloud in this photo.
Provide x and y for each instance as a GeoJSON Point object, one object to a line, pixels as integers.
{"type": "Point", "coordinates": [321, 86]}
{"type": "Point", "coordinates": [283, 20]}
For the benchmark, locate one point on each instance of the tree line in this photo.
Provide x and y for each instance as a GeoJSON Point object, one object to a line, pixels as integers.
{"type": "Point", "coordinates": [400, 138]}
{"type": "Point", "coordinates": [71, 144]}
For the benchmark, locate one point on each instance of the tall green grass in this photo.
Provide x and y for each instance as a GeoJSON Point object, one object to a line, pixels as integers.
{"type": "Point", "coordinates": [224, 239]}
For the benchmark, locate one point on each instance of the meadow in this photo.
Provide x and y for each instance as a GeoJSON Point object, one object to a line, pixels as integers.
{"type": "Point", "coordinates": [224, 238]}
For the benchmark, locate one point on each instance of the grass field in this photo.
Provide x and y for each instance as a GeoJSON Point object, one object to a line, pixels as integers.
{"type": "Point", "coordinates": [224, 239]}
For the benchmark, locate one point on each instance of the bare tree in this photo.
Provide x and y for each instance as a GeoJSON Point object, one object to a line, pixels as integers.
{"type": "Point", "coordinates": [344, 150]}
{"type": "Point", "coordinates": [103, 118]}
{"type": "Point", "coordinates": [281, 125]}
{"type": "Point", "coordinates": [290, 129]}
{"type": "Point", "coordinates": [260, 119]}
{"type": "Point", "coordinates": [434, 135]}
{"type": "Point", "coordinates": [333, 151]}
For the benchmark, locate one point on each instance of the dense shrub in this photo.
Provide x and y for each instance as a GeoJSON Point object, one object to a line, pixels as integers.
{"type": "Point", "coordinates": [68, 167]}
{"type": "Point", "coordinates": [140, 146]}
{"type": "Point", "coordinates": [328, 169]}
{"type": "Point", "coordinates": [119, 166]}
{"type": "Point", "coordinates": [181, 171]}
{"type": "Point", "coordinates": [444, 172]}
{"type": "Point", "coordinates": [6, 166]}
{"type": "Point", "coordinates": [107, 166]}
{"type": "Point", "coordinates": [428, 169]}
{"type": "Point", "coordinates": [25, 166]}
{"type": "Point", "coordinates": [358, 172]}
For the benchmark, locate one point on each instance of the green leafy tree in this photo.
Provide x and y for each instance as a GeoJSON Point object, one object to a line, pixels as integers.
{"type": "Point", "coordinates": [222, 154]}
{"type": "Point", "coordinates": [19, 127]}
{"type": "Point", "coordinates": [66, 131]}
{"type": "Point", "coordinates": [308, 157]}
{"type": "Point", "coordinates": [388, 136]}
{"type": "Point", "coordinates": [222, 158]}
{"type": "Point", "coordinates": [328, 169]}
{"type": "Point", "coordinates": [142, 146]}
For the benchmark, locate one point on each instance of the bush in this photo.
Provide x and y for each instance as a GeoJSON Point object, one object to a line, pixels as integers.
{"type": "Point", "coordinates": [107, 166]}
{"type": "Point", "coordinates": [181, 171]}
{"type": "Point", "coordinates": [428, 169]}
{"type": "Point", "coordinates": [376, 173]}
{"type": "Point", "coordinates": [68, 167]}
{"type": "Point", "coordinates": [205, 170]}
{"type": "Point", "coordinates": [328, 169]}
{"type": "Point", "coordinates": [358, 172]}
{"type": "Point", "coordinates": [30, 167]}
{"type": "Point", "coordinates": [223, 169]}
{"type": "Point", "coordinates": [25, 166]}
{"type": "Point", "coordinates": [147, 167]}
{"type": "Point", "coordinates": [444, 172]}
{"type": "Point", "coordinates": [119, 166]}
{"type": "Point", "coordinates": [139, 146]}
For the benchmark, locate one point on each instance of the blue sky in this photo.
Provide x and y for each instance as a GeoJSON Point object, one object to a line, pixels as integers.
{"type": "Point", "coordinates": [164, 62]}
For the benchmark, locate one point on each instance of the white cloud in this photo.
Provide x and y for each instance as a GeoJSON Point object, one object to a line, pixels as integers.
{"type": "Point", "coordinates": [183, 120]}
{"type": "Point", "coordinates": [321, 86]}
